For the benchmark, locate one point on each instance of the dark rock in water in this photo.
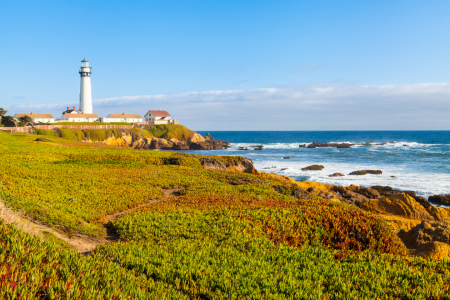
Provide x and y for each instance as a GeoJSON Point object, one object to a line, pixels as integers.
{"type": "Point", "coordinates": [311, 146]}
{"type": "Point", "coordinates": [405, 146]}
{"type": "Point", "coordinates": [302, 146]}
{"type": "Point", "coordinates": [440, 199]}
{"type": "Point", "coordinates": [358, 173]}
{"type": "Point", "coordinates": [336, 175]}
{"type": "Point", "coordinates": [283, 169]}
{"type": "Point", "coordinates": [243, 148]}
{"type": "Point", "coordinates": [259, 147]}
{"type": "Point", "coordinates": [286, 157]}
{"type": "Point", "coordinates": [393, 177]}
{"type": "Point", "coordinates": [212, 164]}
{"type": "Point", "coordinates": [344, 146]}
{"type": "Point", "coordinates": [313, 168]}
{"type": "Point", "coordinates": [335, 145]}
{"type": "Point", "coordinates": [266, 168]}
{"type": "Point", "coordinates": [44, 140]}
{"type": "Point", "coordinates": [375, 172]}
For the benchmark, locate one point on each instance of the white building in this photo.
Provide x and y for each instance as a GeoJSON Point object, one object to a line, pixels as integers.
{"type": "Point", "coordinates": [126, 118]}
{"type": "Point", "coordinates": [85, 87]}
{"type": "Point", "coordinates": [75, 117]}
{"type": "Point", "coordinates": [159, 117]}
{"type": "Point", "coordinates": [43, 118]}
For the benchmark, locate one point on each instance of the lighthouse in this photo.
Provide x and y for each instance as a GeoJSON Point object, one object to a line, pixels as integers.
{"type": "Point", "coordinates": [85, 87]}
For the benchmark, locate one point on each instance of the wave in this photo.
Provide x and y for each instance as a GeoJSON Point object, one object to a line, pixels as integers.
{"type": "Point", "coordinates": [390, 145]}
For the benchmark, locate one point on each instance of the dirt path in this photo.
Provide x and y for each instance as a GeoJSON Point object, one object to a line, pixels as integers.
{"type": "Point", "coordinates": [82, 243]}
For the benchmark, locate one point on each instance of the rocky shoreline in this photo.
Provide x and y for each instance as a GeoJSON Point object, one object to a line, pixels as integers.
{"type": "Point", "coordinates": [422, 227]}
{"type": "Point", "coordinates": [196, 142]}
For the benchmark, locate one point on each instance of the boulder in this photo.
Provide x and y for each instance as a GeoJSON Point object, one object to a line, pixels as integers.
{"type": "Point", "coordinates": [428, 239]}
{"type": "Point", "coordinates": [319, 189]}
{"type": "Point", "coordinates": [367, 192]}
{"type": "Point", "coordinates": [242, 164]}
{"type": "Point", "coordinates": [440, 199]}
{"type": "Point", "coordinates": [350, 196]}
{"type": "Point", "coordinates": [212, 164]}
{"type": "Point", "coordinates": [439, 213]}
{"type": "Point", "coordinates": [375, 172]}
{"type": "Point", "coordinates": [313, 168]}
{"type": "Point", "coordinates": [302, 146]}
{"type": "Point", "coordinates": [301, 194]}
{"type": "Point", "coordinates": [358, 173]}
{"type": "Point", "coordinates": [197, 138]}
{"type": "Point", "coordinates": [398, 205]}
{"type": "Point", "coordinates": [336, 175]}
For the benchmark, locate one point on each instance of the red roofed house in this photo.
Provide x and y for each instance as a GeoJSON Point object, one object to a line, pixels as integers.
{"type": "Point", "coordinates": [159, 117]}
{"type": "Point", "coordinates": [44, 118]}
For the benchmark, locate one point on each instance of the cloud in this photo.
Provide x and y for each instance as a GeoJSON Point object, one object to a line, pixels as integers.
{"type": "Point", "coordinates": [319, 106]}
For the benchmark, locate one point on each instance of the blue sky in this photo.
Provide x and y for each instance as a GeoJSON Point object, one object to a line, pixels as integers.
{"type": "Point", "coordinates": [208, 61]}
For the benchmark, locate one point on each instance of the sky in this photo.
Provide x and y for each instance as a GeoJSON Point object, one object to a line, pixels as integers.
{"type": "Point", "coordinates": [234, 65]}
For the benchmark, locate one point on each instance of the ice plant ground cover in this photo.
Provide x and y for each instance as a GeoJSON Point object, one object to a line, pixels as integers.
{"type": "Point", "coordinates": [226, 235]}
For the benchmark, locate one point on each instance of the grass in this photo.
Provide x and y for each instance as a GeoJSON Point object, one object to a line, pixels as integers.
{"type": "Point", "coordinates": [227, 235]}
{"type": "Point", "coordinates": [168, 131]}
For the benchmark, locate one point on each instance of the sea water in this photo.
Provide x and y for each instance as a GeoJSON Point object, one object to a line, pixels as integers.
{"type": "Point", "coordinates": [412, 160]}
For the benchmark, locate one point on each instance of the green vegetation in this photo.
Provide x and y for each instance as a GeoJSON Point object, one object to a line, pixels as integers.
{"type": "Point", "coordinates": [168, 131]}
{"type": "Point", "coordinates": [31, 269]}
{"type": "Point", "coordinates": [47, 132]}
{"type": "Point", "coordinates": [225, 235]}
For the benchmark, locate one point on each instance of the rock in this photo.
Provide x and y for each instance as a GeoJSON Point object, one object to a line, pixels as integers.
{"type": "Point", "coordinates": [258, 147]}
{"type": "Point", "coordinates": [399, 224]}
{"type": "Point", "coordinates": [349, 196]}
{"type": "Point", "coordinates": [435, 250]}
{"type": "Point", "coordinates": [393, 177]}
{"type": "Point", "coordinates": [319, 189]}
{"type": "Point", "coordinates": [334, 145]}
{"type": "Point", "coordinates": [242, 164]}
{"type": "Point", "coordinates": [212, 164]}
{"type": "Point", "coordinates": [301, 194]}
{"type": "Point", "coordinates": [286, 157]}
{"type": "Point", "coordinates": [313, 168]}
{"type": "Point", "coordinates": [243, 148]}
{"type": "Point", "coordinates": [358, 173]}
{"type": "Point", "coordinates": [423, 201]}
{"type": "Point", "coordinates": [367, 192]}
{"type": "Point", "coordinates": [180, 146]}
{"type": "Point", "coordinates": [375, 172]}
{"type": "Point", "coordinates": [405, 145]}
{"type": "Point", "coordinates": [382, 189]}
{"type": "Point", "coordinates": [311, 146]}
{"type": "Point", "coordinates": [401, 205]}
{"type": "Point", "coordinates": [336, 175]}
{"type": "Point", "coordinates": [428, 239]}
{"type": "Point", "coordinates": [44, 140]}
{"type": "Point", "coordinates": [208, 144]}
{"type": "Point", "coordinates": [439, 213]}
{"type": "Point", "coordinates": [197, 138]}
{"type": "Point", "coordinates": [302, 146]}
{"type": "Point", "coordinates": [440, 199]}
{"type": "Point", "coordinates": [283, 169]}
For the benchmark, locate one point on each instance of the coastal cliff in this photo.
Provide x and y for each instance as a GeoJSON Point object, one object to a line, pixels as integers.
{"type": "Point", "coordinates": [164, 137]}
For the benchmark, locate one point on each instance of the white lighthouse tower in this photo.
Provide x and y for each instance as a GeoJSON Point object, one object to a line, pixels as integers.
{"type": "Point", "coordinates": [85, 87]}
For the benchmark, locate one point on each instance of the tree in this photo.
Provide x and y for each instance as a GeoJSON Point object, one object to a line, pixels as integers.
{"type": "Point", "coordinates": [26, 121]}
{"type": "Point", "coordinates": [2, 113]}
{"type": "Point", "coordinates": [9, 121]}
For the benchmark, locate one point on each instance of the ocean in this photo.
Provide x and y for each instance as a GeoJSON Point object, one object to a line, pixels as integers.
{"type": "Point", "coordinates": [412, 160]}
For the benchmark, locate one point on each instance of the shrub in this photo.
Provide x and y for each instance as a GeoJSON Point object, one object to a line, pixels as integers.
{"type": "Point", "coordinates": [71, 134]}
{"type": "Point", "coordinates": [168, 131]}
{"type": "Point", "coordinates": [47, 132]}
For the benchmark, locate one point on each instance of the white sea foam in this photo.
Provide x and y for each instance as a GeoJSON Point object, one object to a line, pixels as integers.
{"type": "Point", "coordinates": [425, 184]}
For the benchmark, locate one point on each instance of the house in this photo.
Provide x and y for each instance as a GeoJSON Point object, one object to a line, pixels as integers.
{"type": "Point", "coordinates": [76, 117]}
{"type": "Point", "coordinates": [72, 111]}
{"type": "Point", "coordinates": [43, 118]}
{"type": "Point", "coordinates": [159, 117]}
{"type": "Point", "coordinates": [126, 118]}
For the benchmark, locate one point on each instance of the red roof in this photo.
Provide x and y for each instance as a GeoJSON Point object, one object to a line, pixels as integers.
{"type": "Point", "coordinates": [160, 113]}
